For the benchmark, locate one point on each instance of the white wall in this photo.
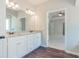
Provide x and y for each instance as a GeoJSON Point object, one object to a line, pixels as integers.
{"type": "Point", "coordinates": [71, 21]}
{"type": "Point", "coordinates": [72, 27]}
{"type": "Point", "coordinates": [34, 23]}
{"type": "Point", "coordinates": [2, 17]}
{"type": "Point", "coordinates": [72, 2]}
{"type": "Point", "coordinates": [43, 9]}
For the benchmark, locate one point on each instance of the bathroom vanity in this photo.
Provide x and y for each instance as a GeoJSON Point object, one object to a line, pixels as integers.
{"type": "Point", "coordinates": [23, 44]}
{"type": "Point", "coordinates": [21, 40]}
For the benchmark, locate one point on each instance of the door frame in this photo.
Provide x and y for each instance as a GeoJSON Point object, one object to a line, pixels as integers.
{"type": "Point", "coordinates": [52, 11]}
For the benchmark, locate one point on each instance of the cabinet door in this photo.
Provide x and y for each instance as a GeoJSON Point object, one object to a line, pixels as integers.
{"type": "Point", "coordinates": [3, 48]}
{"type": "Point", "coordinates": [30, 43]}
{"type": "Point", "coordinates": [27, 44]}
{"type": "Point", "coordinates": [17, 47]}
{"type": "Point", "coordinates": [12, 48]}
{"type": "Point", "coordinates": [21, 46]}
{"type": "Point", "coordinates": [34, 41]}
{"type": "Point", "coordinates": [37, 40]}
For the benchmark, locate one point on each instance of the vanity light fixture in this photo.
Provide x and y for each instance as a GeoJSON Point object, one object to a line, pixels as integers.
{"type": "Point", "coordinates": [7, 1]}
{"type": "Point", "coordinates": [29, 12]}
{"type": "Point", "coordinates": [12, 5]}
{"type": "Point", "coordinates": [61, 13]}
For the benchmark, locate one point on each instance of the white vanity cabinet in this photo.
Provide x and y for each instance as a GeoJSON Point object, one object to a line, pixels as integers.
{"type": "Point", "coordinates": [34, 41]}
{"type": "Point", "coordinates": [17, 46]}
{"type": "Point", "coordinates": [3, 48]}
{"type": "Point", "coordinates": [22, 45]}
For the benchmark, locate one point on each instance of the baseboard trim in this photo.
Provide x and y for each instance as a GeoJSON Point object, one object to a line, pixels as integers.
{"type": "Point", "coordinates": [44, 46]}
{"type": "Point", "coordinates": [56, 48]}
{"type": "Point", "coordinates": [72, 52]}
{"type": "Point", "coordinates": [67, 51]}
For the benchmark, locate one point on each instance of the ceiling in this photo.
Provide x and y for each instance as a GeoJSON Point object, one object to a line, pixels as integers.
{"type": "Point", "coordinates": [30, 2]}
{"type": "Point", "coordinates": [36, 2]}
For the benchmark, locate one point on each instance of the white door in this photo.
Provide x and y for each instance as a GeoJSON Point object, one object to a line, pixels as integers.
{"type": "Point", "coordinates": [3, 48]}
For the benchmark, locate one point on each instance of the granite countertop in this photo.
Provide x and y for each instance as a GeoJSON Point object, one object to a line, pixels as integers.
{"type": "Point", "coordinates": [20, 34]}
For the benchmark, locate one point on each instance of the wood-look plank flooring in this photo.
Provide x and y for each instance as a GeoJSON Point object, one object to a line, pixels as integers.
{"type": "Point", "coordinates": [42, 52]}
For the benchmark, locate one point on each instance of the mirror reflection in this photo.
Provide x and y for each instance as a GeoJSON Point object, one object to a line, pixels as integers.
{"type": "Point", "coordinates": [15, 20]}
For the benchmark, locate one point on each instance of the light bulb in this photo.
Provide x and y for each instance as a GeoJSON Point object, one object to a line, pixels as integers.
{"type": "Point", "coordinates": [12, 4]}
{"type": "Point", "coordinates": [26, 11]}
{"type": "Point", "coordinates": [9, 5]}
{"type": "Point", "coordinates": [33, 13]}
{"type": "Point", "coordinates": [60, 14]}
{"type": "Point", "coordinates": [7, 2]}
{"type": "Point", "coordinates": [14, 7]}
{"type": "Point", "coordinates": [17, 6]}
{"type": "Point", "coordinates": [30, 12]}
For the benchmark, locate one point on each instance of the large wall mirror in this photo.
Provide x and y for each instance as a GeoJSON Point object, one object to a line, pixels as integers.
{"type": "Point", "coordinates": [15, 20]}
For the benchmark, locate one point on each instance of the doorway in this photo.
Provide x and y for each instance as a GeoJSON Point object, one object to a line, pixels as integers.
{"type": "Point", "coordinates": [56, 29]}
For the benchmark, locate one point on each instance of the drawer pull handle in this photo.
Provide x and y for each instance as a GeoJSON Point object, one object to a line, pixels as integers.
{"type": "Point", "coordinates": [2, 37]}
{"type": "Point", "coordinates": [18, 43]}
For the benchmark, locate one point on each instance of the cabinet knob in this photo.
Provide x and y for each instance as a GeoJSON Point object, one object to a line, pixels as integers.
{"type": "Point", "coordinates": [18, 43]}
{"type": "Point", "coordinates": [2, 37]}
